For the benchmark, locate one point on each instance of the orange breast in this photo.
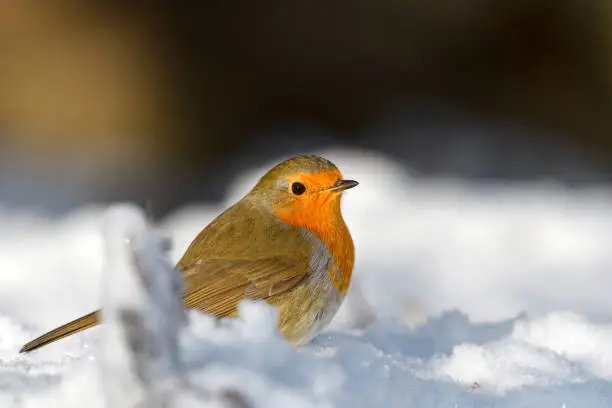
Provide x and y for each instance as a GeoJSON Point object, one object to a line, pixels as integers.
{"type": "Point", "coordinates": [321, 215]}
{"type": "Point", "coordinates": [340, 245]}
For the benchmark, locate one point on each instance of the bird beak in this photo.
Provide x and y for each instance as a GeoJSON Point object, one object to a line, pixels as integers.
{"type": "Point", "coordinates": [342, 185]}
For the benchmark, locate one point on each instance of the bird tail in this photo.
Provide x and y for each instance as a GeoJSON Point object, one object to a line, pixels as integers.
{"type": "Point", "coordinates": [75, 326]}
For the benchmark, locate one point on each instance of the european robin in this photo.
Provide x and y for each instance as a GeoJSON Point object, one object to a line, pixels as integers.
{"type": "Point", "coordinates": [284, 242]}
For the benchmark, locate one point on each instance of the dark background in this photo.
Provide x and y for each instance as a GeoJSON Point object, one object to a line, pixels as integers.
{"type": "Point", "coordinates": [167, 101]}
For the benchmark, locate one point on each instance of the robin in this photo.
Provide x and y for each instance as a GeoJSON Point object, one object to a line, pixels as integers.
{"type": "Point", "coordinates": [285, 242]}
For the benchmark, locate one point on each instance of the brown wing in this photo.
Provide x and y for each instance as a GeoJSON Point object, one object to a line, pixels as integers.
{"type": "Point", "coordinates": [216, 286]}
{"type": "Point", "coordinates": [243, 253]}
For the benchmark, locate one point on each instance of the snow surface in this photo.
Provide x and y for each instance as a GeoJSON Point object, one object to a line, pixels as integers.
{"type": "Point", "coordinates": [465, 295]}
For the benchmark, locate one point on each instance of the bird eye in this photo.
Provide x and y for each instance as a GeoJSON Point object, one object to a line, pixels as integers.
{"type": "Point", "coordinates": [298, 188]}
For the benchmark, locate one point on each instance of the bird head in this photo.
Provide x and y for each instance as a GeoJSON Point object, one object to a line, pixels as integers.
{"type": "Point", "coordinates": [304, 191]}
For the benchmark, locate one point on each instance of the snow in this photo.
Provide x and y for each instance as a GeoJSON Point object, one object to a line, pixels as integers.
{"type": "Point", "coordinates": [139, 355]}
{"type": "Point", "coordinates": [466, 295]}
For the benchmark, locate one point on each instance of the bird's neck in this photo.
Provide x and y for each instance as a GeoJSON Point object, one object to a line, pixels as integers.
{"type": "Point", "coordinates": [326, 223]}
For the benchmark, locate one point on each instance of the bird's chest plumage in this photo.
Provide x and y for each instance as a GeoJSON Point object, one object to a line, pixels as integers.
{"type": "Point", "coordinates": [309, 307]}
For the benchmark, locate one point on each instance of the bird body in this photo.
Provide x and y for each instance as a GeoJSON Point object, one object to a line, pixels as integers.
{"type": "Point", "coordinates": [285, 242]}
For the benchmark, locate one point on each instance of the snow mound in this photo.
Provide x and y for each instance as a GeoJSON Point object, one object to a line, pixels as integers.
{"type": "Point", "coordinates": [465, 296]}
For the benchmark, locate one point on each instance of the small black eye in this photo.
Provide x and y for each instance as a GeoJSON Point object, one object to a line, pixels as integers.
{"type": "Point", "coordinates": [298, 188]}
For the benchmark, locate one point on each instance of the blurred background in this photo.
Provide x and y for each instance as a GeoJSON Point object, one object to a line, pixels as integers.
{"type": "Point", "coordinates": [167, 102]}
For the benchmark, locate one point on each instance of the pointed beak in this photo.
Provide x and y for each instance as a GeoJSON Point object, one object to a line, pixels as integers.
{"type": "Point", "coordinates": [342, 185]}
